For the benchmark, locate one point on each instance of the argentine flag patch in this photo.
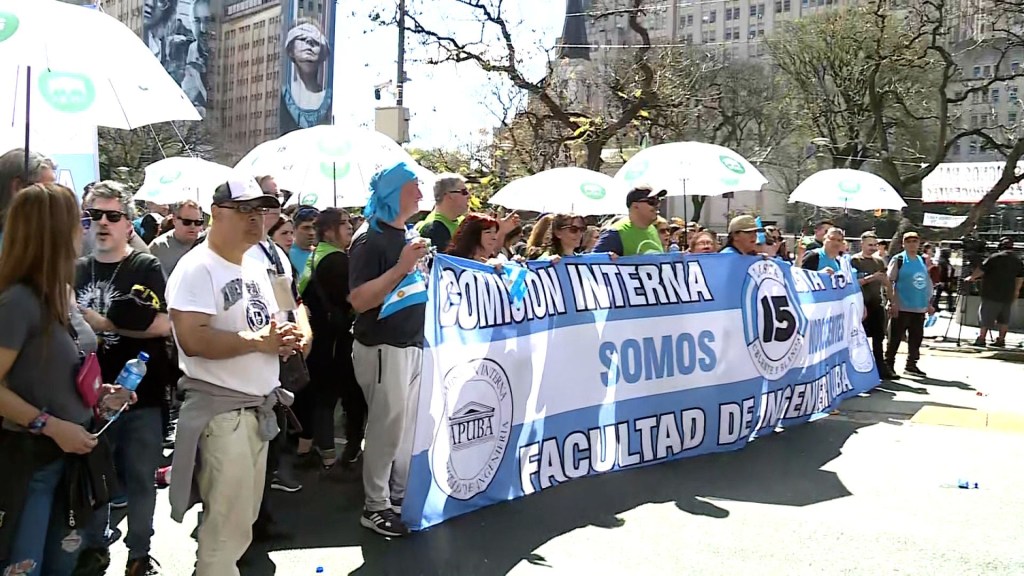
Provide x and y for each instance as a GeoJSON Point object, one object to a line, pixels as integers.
{"type": "Point", "coordinates": [412, 290]}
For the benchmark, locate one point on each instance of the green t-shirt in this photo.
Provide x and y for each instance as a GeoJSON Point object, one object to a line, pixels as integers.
{"type": "Point", "coordinates": [638, 240]}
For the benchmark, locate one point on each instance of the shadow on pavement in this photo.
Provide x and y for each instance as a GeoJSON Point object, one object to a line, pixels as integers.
{"type": "Point", "coordinates": [782, 469]}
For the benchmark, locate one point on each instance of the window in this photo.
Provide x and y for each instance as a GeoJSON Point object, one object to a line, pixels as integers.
{"type": "Point", "coordinates": [984, 95]}
{"type": "Point", "coordinates": [977, 72]}
{"type": "Point", "coordinates": [689, 19]}
{"type": "Point", "coordinates": [955, 150]}
{"type": "Point", "coordinates": [728, 34]}
{"type": "Point", "coordinates": [805, 3]}
{"type": "Point", "coordinates": [974, 121]}
{"type": "Point", "coordinates": [988, 71]}
{"type": "Point", "coordinates": [973, 148]}
{"type": "Point", "coordinates": [713, 37]}
{"type": "Point", "coordinates": [736, 33]}
{"type": "Point", "coordinates": [995, 95]}
{"type": "Point", "coordinates": [1011, 118]}
{"type": "Point", "coordinates": [712, 15]}
{"type": "Point", "coordinates": [958, 94]}
{"type": "Point", "coordinates": [1014, 67]}
{"type": "Point", "coordinates": [753, 10]}
{"type": "Point", "coordinates": [1011, 94]}
{"type": "Point", "coordinates": [975, 98]}
{"type": "Point", "coordinates": [728, 14]}
{"type": "Point", "coordinates": [760, 32]}
{"type": "Point", "coordinates": [736, 13]}
{"type": "Point", "coordinates": [752, 33]}
{"type": "Point", "coordinates": [778, 7]}
{"type": "Point", "coordinates": [760, 10]}
{"type": "Point", "coordinates": [785, 5]}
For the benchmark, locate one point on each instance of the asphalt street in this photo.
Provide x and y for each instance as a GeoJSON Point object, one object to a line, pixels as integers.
{"type": "Point", "coordinates": [867, 491]}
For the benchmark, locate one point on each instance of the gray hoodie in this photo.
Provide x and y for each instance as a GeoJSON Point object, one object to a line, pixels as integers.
{"type": "Point", "coordinates": [203, 402]}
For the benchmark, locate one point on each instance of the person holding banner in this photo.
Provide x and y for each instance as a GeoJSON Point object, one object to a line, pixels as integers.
{"type": "Point", "coordinates": [562, 237]}
{"type": "Point", "coordinates": [826, 258]}
{"type": "Point", "coordinates": [635, 234]}
{"type": "Point", "coordinates": [871, 275]}
{"type": "Point", "coordinates": [389, 298]}
{"type": "Point", "coordinates": [743, 231]}
{"type": "Point", "coordinates": [476, 238]}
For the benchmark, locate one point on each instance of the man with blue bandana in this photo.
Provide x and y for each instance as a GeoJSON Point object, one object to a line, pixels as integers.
{"type": "Point", "coordinates": [388, 351]}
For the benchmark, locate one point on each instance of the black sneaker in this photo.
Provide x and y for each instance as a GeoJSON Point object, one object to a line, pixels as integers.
{"type": "Point", "coordinates": [396, 505]}
{"type": "Point", "coordinates": [999, 343]}
{"type": "Point", "coordinates": [351, 455]}
{"type": "Point", "coordinates": [384, 522]}
{"type": "Point", "coordinates": [143, 567]}
{"type": "Point", "coordinates": [886, 373]}
{"type": "Point", "coordinates": [913, 369]}
{"type": "Point", "coordinates": [92, 562]}
{"type": "Point", "coordinates": [285, 483]}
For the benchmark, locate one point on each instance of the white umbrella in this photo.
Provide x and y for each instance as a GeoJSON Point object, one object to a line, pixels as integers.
{"type": "Point", "coordinates": [328, 166]}
{"type": "Point", "coordinates": [565, 190]}
{"type": "Point", "coordinates": [691, 169]}
{"type": "Point", "coordinates": [177, 179]}
{"type": "Point", "coordinates": [71, 64]}
{"type": "Point", "coordinates": [847, 189]}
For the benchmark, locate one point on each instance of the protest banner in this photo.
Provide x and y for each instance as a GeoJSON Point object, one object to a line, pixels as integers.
{"type": "Point", "coordinates": [942, 220]}
{"type": "Point", "coordinates": [967, 183]}
{"type": "Point", "coordinates": [605, 366]}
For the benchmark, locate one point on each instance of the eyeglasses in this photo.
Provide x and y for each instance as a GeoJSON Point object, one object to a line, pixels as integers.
{"type": "Point", "coordinates": [572, 229]}
{"type": "Point", "coordinates": [190, 222]}
{"type": "Point", "coordinates": [247, 208]}
{"type": "Point", "coordinates": [113, 216]}
{"type": "Point", "coordinates": [463, 192]}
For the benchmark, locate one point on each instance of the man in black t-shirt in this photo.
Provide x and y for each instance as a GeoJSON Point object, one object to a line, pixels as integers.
{"type": "Point", "coordinates": [121, 294]}
{"type": "Point", "coordinates": [1002, 275]}
{"type": "Point", "coordinates": [387, 352]}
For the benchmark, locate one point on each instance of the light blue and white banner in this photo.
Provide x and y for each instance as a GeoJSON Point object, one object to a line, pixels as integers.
{"type": "Point", "coordinates": [613, 365]}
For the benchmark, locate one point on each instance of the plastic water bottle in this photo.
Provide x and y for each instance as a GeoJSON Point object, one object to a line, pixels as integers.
{"type": "Point", "coordinates": [319, 569]}
{"type": "Point", "coordinates": [133, 372]}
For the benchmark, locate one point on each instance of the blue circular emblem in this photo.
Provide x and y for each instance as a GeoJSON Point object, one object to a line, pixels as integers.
{"type": "Point", "coordinates": [257, 315]}
{"type": "Point", "coordinates": [774, 325]}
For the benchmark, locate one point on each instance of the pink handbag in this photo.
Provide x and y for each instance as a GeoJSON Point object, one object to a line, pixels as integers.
{"type": "Point", "coordinates": [90, 380]}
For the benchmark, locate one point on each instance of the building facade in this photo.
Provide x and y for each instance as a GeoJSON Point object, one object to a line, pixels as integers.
{"type": "Point", "coordinates": [230, 57]}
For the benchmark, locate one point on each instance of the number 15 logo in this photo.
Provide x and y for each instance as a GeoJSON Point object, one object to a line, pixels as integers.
{"type": "Point", "coordinates": [773, 323]}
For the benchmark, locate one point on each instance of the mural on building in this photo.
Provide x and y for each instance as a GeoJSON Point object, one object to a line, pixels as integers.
{"type": "Point", "coordinates": [307, 59]}
{"type": "Point", "coordinates": [179, 33]}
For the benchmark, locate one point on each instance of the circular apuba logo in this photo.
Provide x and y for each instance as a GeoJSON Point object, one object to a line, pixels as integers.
{"type": "Point", "coordinates": [774, 325]}
{"type": "Point", "coordinates": [308, 199]}
{"type": "Point", "coordinates": [8, 25]}
{"type": "Point", "coordinates": [474, 428]}
{"type": "Point", "coordinates": [637, 170]}
{"type": "Point", "coordinates": [335, 170]}
{"type": "Point", "coordinates": [849, 186]}
{"type": "Point", "coordinates": [592, 191]}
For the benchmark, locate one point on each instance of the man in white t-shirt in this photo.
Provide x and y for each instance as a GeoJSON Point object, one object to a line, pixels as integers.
{"type": "Point", "coordinates": [222, 307]}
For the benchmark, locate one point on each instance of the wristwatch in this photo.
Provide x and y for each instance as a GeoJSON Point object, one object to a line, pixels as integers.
{"type": "Point", "coordinates": [39, 422]}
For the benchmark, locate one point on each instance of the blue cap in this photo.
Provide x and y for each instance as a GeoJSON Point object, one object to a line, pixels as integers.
{"type": "Point", "coordinates": [144, 356]}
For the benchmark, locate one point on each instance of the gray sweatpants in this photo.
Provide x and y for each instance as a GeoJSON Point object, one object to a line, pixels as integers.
{"type": "Point", "coordinates": [390, 379]}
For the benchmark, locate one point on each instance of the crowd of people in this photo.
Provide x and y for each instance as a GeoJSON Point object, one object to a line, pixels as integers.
{"type": "Point", "coordinates": [258, 320]}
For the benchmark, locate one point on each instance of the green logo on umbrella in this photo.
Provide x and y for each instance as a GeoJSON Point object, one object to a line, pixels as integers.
{"type": "Point", "coordinates": [8, 25]}
{"type": "Point", "coordinates": [592, 191]}
{"type": "Point", "coordinates": [308, 199]}
{"type": "Point", "coordinates": [334, 148]}
{"type": "Point", "coordinates": [732, 164]}
{"type": "Point", "coordinates": [67, 92]}
{"type": "Point", "coordinates": [335, 170]}
{"type": "Point", "coordinates": [849, 187]}
{"type": "Point", "coordinates": [637, 170]}
{"type": "Point", "coordinates": [168, 178]}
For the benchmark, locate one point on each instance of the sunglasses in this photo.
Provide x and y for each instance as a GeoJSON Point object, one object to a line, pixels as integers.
{"type": "Point", "coordinates": [572, 229]}
{"type": "Point", "coordinates": [190, 222]}
{"type": "Point", "coordinates": [651, 201]}
{"type": "Point", "coordinates": [247, 208]}
{"type": "Point", "coordinates": [463, 192]}
{"type": "Point", "coordinates": [113, 216]}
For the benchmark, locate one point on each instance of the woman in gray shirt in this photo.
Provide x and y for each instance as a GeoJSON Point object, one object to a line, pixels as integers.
{"type": "Point", "coordinates": [43, 415]}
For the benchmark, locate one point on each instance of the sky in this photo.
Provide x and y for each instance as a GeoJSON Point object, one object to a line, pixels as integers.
{"type": "Point", "coordinates": [448, 103]}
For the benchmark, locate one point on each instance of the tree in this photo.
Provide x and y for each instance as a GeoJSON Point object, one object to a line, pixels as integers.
{"type": "Point", "coordinates": [555, 119]}
{"type": "Point", "coordinates": [884, 86]}
{"type": "Point", "coordinates": [743, 105]}
{"type": "Point", "coordinates": [472, 163]}
{"type": "Point", "coordinates": [124, 154]}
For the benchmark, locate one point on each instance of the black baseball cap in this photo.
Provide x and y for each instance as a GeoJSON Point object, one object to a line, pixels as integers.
{"type": "Point", "coordinates": [244, 189]}
{"type": "Point", "coordinates": [643, 193]}
{"type": "Point", "coordinates": [1006, 243]}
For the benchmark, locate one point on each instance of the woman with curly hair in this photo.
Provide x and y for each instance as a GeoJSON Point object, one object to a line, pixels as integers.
{"type": "Point", "coordinates": [562, 237]}
{"type": "Point", "coordinates": [476, 238]}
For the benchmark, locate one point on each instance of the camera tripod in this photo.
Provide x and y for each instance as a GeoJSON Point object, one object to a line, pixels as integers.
{"type": "Point", "coordinates": [959, 309]}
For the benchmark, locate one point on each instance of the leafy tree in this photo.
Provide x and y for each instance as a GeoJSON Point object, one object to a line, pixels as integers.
{"type": "Point", "coordinates": [124, 154]}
